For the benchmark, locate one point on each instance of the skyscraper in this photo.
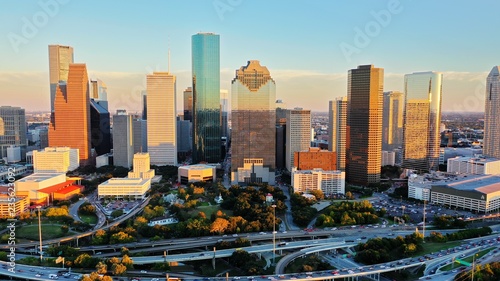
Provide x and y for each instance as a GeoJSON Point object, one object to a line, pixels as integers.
{"type": "Point", "coordinates": [254, 124]}
{"type": "Point", "coordinates": [12, 129]}
{"type": "Point", "coordinates": [392, 124]}
{"type": "Point", "coordinates": [188, 104]}
{"type": "Point", "coordinates": [123, 139]}
{"type": "Point", "coordinates": [364, 124]}
{"type": "Point", "coordinates": [206, 98]}
{"type": "Point", "coordinates": [140, 128]}
{"type": "Point", "coordinates": [337, 130]}
{"type": "Point", "coordinates": [298, 133]}
{"type": "Point", "coordinates": [162, 126]}
{"type": "Point", "coordinates": [422, 118]}
{"type": "Point", "coordinates": [59, 59]}
{"type": "Point", "coordinates": [224, 107]}
{"type": "Point", "coordinates": [492, 114]}
{"type": "Point", "coordinates": [70, 121]}
{"type": "Point", "coordinates": [100, 130]}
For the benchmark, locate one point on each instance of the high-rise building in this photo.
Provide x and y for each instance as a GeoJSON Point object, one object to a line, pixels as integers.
{"type": "Point", "coordinates": [491, 142]}
{"type": "Point", "coordinates": [60, 57]}
{"type": "Point", "coordinates": [188, 104]}
{"type": "Point", "coordinates": [55, 160]}
{"type": "Point", "coordinates": [298, 133]}
{"type": "Point", "coordinates": [253, 120]}
{"type": "Point", "coordinates": [224, 107]}
{"type": "Point", "coordinates": [184, 136]}
{"type": "Point", "coordinates": [206, 98]}
{"type": "Point", "coordinates": [12, 129]}
{"type": "Point", "coordinates": [70, 121]}
{"type": "Point", "coordinates": [162, 120]}
{"type": "Point", "coordinates": [364, 124]}
{"type": "Point", "coordinates": [142, 169]}
{"type": "Point", "coordinates": [422, 119]}
{"type": "Point", "coordinates": [337, 130]}
{"type": "Point", "coordinates": [123, 139]}
{"type": "Point", "coordinates": [392, 120]}
{"type": "Point", "coordinates": [140, 128]}
{"type": "Point", "coordinates": [144, 105]}
{"type": "Point", "coordinates": [99, 93]}
{"type": "Point", "coordinates": [100, 130]}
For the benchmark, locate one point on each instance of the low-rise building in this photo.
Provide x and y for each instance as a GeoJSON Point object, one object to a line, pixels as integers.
{"type": "Point", "coordinates": [473, 165]}
{"type": "Point", "coordinates": [118, 188]}
{"type": "Point", "coordinates": [55, 160]}
{"type": "Point", "coordinates": [11, 207]}
{"type": "Point", "coordinates": [32, 185]}
{"type": "Point", "coordinates": [330, 182]}
{"type": "Point", "coordinates": [388, 158]}
{"type": "Point", "coordinates": [196, 173]}
{"type": "Point", "coordinates": [253, 171]}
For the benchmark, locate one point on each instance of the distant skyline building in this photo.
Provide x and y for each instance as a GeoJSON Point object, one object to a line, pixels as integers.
{"type": "Point", "coordinates": [422, 119]}
{"type": "Point", "coordinates": [99, 93]}
{"type": "Point", "coordinates": [298, 133]}
{"type": "Point", "coordinates": [491, 142]}
{"type": "Point", "coordinates": [364, 124]}
{"type": "Point", "coordinates": [60, 57]}
{"type": "Point", "coordinates": [224, 107]}
{"type": "Point", "coordinates": [144, 105]}
{"type": "Point", "coordinates": [253, 120]}
{"type": "Point", "coordinates": [337, 130]}
{"type": "Point", "coordinates": [70, 121]}
{"type": "Point", "coordinates": [12, 129]}
{"type": "Point", "coordinates": [162, 118]}
{"type": "Point", "coordinates": [184, 140]}
{"type": "Point", "coordinates": [392, 120]}
{"type": "Point", "coordinates": [123, 139]}
{"type": "Point", "coordinates": [140, 128]}
{"type": "Point", "coordinates": [206, 98]}
{"type": "Point", "coordinates": [188, 104]}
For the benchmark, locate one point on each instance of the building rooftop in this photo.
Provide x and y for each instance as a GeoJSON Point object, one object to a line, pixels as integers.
{"type": "Point", "coordinates": [482, 183]}
{"type": "Point", "coordinates": [475, 159]}
{"type": "Point", "coordinates": [37, 177]}
{"type": "Point", "coordinates": [197, 167]}
{"type": "Point", "coordinates": [124, 181]}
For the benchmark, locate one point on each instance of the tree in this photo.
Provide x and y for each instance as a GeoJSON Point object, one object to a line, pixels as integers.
{"type": "Point", "coordinates": [85, 261]}
{"type": "Point", "coordinates": [348, 195]}
{"type": "Point", "coordinates": [219, 225]}
{"type": "Point", "coordinates": [121, 237]}
{"type": "Point", "coordinates": [101, 268]}
{"type": "Point", "coordinates": [64, 229]}
{"type": "Point", "coordinates": [116, 213]}
{"type": "Point", "coordinates": [118, 269]}
{"type": "Point", "coordinates": [128, 262]}
{"type": "Point", "coordinates": [318, 194]}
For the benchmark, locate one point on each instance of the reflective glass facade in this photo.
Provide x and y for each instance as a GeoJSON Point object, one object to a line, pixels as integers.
{"type": "Point", "coordinates": [392, 128]}
{"type": "Point", "coordinates": [422, 119]}
{"type": "Point", "coordinates": [59, 59]}
{"type": "Point", "coordinates": [206, 98]}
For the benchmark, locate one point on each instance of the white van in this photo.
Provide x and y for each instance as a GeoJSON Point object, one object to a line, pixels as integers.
{"type": "Point", "coordinates": [53, 276]}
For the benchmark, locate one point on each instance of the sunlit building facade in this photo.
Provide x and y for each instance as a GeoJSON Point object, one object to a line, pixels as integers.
{"type": "Point", "coordinates": [392, 124]}
{"type": "Point", "coordinates": [60, 57]}
{"type": "Point", "coordinates": [298, 134]}
{"type": "Point", "coordinates": [491, 142]}
{"type": "Point", "coordinates": [206, 98]}
{"type": "Point", "coordinates": [337, 130]}
{"type": "Point", "coordinates": [364, 124]}
{"type": "Point", "coordinates": [422, 119]}
{"type": "Point", "coordinates": [253, 121]}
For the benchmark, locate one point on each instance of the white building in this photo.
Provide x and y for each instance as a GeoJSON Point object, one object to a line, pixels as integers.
{"type": "Point", "coordinates": [337, 130]}
{"type": "Point", "coordinates": [298, 130]}
{"type": "Point", "coordinates": [253, 171]}
{"type": "Point", "coordinates": [388, 158]}
{"type": "Point", "coordinates": [196, 173]}
{"type": "Point", "coordinates": [330, 182]}
{"type": "Point", "coordinates": [142, 167]}
{"type": "Point", "coordinates": [473, 165]}
{"type": "Point", "coordinates": [161, 116]}
{"type": "Point", "coordinates": [120, 187]}
{"type": "Point", "coordinates": [13, 154]}
{"type": "Point", "coordinates": [30, 185]}
{"type": "Point", "coordinates": [419, 187]}
{"type": "Point", "coordinates": [55, 159]}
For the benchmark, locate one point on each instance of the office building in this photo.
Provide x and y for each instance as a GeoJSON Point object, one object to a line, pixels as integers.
{"type": "Point", "coordinates": [142, 168]}
{"type": "Point", "coordinates": [364, 124]}
{"type": "Point", "coordinates": [298, 133]}
{"type": "Point", "coordinates": [144, 105]}
{"type": "Point", "coordinates": [224, 107]}
{"type": "Point", "coordinates": [188, 104]}
{"type": "Point", "coordinates": [162, 120]}
{"type": "Point", "coordinates": [422, 119]}
{"type": "Point", "coordinates": [329, 182]}
{"type": "Point", "coordinates": [70, 121]}
{"type": "Point", "coordinates": [388, 158]}
{"type": "Point", "coordinates": [13, 154]}
{"type": "Point", "coordinates": [123, 139]}
{"type": "Point", "coordinates": [55, 160]}
{"type": "Point", "coordinates": [99, 93]}
{"type": "Point", "coordinates": [60, 57]}
{"type": "Point", "coordinates": [392, 120]}
{"type": "Point", "coordinates": [491, 140]}
{"type": "Point", "coordinates": [315, 158]}
{"type": "Point", "coordinates": [253, 123]}
{"type": "Point", "coordinates": [474, 165]}
{"type": "Point", "coordinates": [13, 130]}
{"type": "Point", "coordinates": [206, 98]}
{"type": "Point", "coordinates": [196, 173]}
{"type": "Point", "coordinates": [337, 130]}
{"type": "Point", "coordinates": [119, 188]}
{"type": "Point", "coordinates": [184, 141]}
{"type": "Point", "coordinates": [140, 140]}
{"type": "Point", "coordinates": [100, 130]}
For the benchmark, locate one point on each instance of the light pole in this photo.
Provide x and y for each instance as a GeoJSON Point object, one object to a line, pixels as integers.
{"type": "Point", "coordinates": [40, 232]}
{"type": "Point", "coordinates": [274, 232]}
{"type": "Point", "coordinates": [423, 226]}
{"type": "Point", "coordinates": [473, 265]}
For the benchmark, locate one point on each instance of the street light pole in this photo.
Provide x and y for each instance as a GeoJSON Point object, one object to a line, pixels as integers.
{"type": "Point", "coordinates": [274, 232]}
{"type": "Point", "coordinates": [473, 262]}
{"type": "Point", "coordinates": [423, 228]}
{"type": "Point", "coordinates": [40, 232]}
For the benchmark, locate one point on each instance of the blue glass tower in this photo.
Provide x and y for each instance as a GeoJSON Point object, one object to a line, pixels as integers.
{"type": "Point", "coordinates": [206, 98]}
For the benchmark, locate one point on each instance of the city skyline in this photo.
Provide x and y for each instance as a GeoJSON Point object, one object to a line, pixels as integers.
{"type": "Point", "coordinates": [309, 57]}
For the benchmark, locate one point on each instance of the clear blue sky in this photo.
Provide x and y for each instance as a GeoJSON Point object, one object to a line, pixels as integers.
{"type": "Point", "coordinates": [289, 37]}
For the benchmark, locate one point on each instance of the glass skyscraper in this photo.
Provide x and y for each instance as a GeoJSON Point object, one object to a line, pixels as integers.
{"type": "Point", "coordinates": [206, 98]}
{"type": "Point", "coordinates": [59, 59]}
{"type": "Point", "coordinates": [492, 114]}
{"type": "Point", "coordinates": [422, 119]}
{"type": "Point", "coordinates": [392, 124]}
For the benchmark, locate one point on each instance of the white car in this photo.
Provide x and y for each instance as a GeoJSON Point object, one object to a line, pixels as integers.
{"type": "Point", "coordinates": [144, 271]}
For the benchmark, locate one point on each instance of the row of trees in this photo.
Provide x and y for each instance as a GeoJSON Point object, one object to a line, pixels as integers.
{"type": "Point", "coordinates": [379, 250]}
{"type": "Point", "coordinates": [302, 212]}
{"type": "Point", "coordinates": [447, 221]}
{"type": "Point", "coordinates": [459, 235]}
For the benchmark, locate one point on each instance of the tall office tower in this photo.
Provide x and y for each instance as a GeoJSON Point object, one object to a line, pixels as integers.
{"type": "Point", "coordinates": [123, 139]}
{"type": "Point", "coordinates": [492, 114]}
{"type": "Point", "coordinates": [392, 120]}
{"type": "Point", "coordinates": [184, 136]}
{"type": "Point", "coordinates": [422, 119]}
{"type": "Point", "coordinates": [99, 93]}
{"type": "Point", "coordinates": [253, 119]}
{"type": "Point", "coordinates": [60, 57]}
{"type": "Point", "coordinates": [206, 98]}
{"type": "Point", "coordinates": [100, 131]}
{"type": "Point", "coordinates": [140, 128]}
{"type": "Point", "coordinates": [337, 130]}
{"type": "Point", "coordinates": [70, 121]}
{"type": "Point", "coordinates": [280, 134]}
{"type": "Point", "coordinates": [298, 133]}
{"type": "Point", "coordinates": [162, 120]}
{"type": "Point", "coordinates": [188, 104]}
{"type": "Point", "coordinates": [364, 124]}
{"type": "Point", "coordinates": [144, 105]}
{"type": "Point", "coordinates": [224, 108]}
{"type": "Point", "coordinates": [12, 129]}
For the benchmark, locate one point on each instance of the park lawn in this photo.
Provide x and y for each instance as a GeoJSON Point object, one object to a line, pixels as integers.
{"type": "Point", "coordinates": [49, 231]}
{"type": "Point", "coordinates": [90, 219]}
{"type": "Point", "coordinates": [209, 210]}
{"type": "Point", "coordinates": [432, 247]}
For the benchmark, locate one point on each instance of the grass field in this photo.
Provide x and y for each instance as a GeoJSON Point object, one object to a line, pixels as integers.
{"type": "Point", "coordinates": [436, 247]}
{"type": "Point", "coordinates": [90, 219]}
{"type": "Point", "coordinates": [49, 231]}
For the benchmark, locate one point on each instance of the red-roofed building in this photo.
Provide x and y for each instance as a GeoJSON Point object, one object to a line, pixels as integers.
{"type": "Point", "coordinates": [63, 191]}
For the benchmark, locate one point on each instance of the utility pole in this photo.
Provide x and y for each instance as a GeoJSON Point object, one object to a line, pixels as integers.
{"type": "Point", "coordinates": [423, 228]}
